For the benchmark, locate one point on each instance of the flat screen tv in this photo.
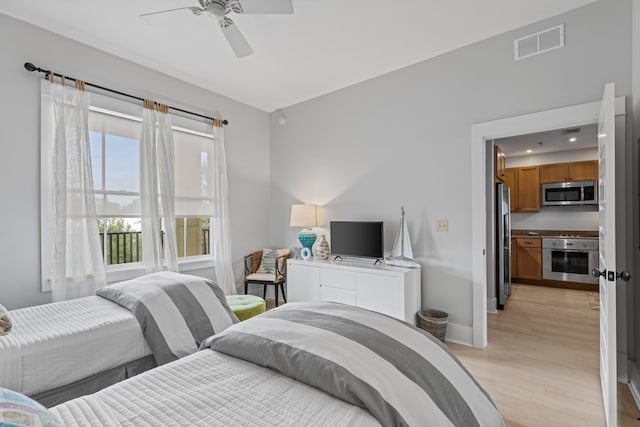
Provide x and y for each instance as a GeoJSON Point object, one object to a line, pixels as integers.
{"type": "Point", "coordinates": [363, 239]}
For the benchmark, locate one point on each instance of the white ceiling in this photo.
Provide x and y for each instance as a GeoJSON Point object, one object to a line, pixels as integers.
{"type": "Point", "coordinates": [552, 141]}
{"type": "Point", "coordinates": [324, 46]}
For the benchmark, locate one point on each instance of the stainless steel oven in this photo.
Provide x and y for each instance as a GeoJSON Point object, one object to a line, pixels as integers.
{"type": "Point", "coordinates": [569, 259]}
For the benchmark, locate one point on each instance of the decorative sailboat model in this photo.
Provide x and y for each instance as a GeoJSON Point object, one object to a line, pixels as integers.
{"type": "Point", "coordinates": [402, 254]}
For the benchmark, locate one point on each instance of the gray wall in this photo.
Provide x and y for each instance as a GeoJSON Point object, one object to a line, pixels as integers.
{"type": "Point", "coordinates": [403, 138]}
{"type": "Point", "coordinates": [247, 143]}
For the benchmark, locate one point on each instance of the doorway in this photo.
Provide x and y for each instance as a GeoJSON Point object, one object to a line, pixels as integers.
{"type": "Point", "coordinates": [567, 117]}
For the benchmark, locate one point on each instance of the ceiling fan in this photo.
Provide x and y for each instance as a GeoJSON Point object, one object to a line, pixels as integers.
{"type": "Point", "coordinates": [219, 9]}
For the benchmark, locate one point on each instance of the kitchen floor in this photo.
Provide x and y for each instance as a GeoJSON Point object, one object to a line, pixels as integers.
{"type": "Point", "coordinates": [541, 367]}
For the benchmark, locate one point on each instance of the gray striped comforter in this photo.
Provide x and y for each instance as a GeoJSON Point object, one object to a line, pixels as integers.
{"type": "Point", "coordinates": [401, 374]}
{"type": "Point", "coordinates": [176, 311]}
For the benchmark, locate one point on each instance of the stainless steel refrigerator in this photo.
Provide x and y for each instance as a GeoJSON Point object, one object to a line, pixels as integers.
{"type": "Point", "coordinates": [503, 245]}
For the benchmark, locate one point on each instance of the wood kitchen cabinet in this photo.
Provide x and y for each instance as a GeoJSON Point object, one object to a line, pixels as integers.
{"type": "Point", "coordinates": [566, 172]}
{"type": "Point", "coordinates": [529, 189]}
{"type": "Point", "coordinates": [525, 188]}
{"type": "Point", "coordinates": [511, 181]}
{"type": "Point", "coordinates": [499, 163]}
{"type": "Point", "coordinates": [528, 258]}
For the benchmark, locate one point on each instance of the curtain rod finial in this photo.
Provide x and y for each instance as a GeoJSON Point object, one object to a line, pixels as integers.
{"type": "Point", "coordinates": [29, 66]}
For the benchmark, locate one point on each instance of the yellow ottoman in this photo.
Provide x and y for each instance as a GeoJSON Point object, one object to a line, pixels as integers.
{"type": "Point", "coordinates": [246, 306]}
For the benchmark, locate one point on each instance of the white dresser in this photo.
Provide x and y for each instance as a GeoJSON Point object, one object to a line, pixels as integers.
{"type": "Point", "coordinates": [391, 290]}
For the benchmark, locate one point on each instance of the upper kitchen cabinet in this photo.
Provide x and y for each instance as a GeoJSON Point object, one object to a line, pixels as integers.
{"type": "Point", "coordinates": [529, 189]}
{"type": "Point", "coordinates": [565, 172]}
{"type": "Point", "coordinates": [499, 162]}
{"type": "Point", "coordinates": [583, 171]}
{"type": "Point", "coordinates": [511, 181]}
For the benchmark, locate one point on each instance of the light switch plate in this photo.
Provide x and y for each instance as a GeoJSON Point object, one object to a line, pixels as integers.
{"type": "Point", "coordinates": [442, 225]}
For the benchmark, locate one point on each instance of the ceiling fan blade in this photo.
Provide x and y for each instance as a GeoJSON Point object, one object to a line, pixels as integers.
{"type": "Point", "coordinates": [235, 38]}
{"type": "Point", "coordinates": [158, 17]}
{"type": "Point", "coordinates": [266, 6]}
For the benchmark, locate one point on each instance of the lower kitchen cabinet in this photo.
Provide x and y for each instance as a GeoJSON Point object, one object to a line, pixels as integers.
{"type": "Point", "coordinates": [528, 258]}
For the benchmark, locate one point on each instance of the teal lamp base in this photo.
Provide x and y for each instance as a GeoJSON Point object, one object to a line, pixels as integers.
{"type": "Point", "coordinates": [307, 238]}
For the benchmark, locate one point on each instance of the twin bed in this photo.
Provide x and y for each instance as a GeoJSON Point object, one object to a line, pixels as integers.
{"type": "Point", "coordinates": [62, 350]}
{"type": "Point", "coordinates": [302, 364]}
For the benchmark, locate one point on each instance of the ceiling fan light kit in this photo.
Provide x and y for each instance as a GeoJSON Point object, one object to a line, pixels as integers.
{"type": "Point", "coordinates": [219, 9]}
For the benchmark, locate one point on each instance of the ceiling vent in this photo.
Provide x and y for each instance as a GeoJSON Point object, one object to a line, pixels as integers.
{"type": "Point", "coordinates": [572, 130]}
{"type": "Point", "coordinates": [540, 42]}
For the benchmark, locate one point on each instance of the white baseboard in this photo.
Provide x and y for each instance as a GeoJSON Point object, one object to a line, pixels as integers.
{"type": "Point", "coordinates": [492, 305]}
{"type": "Point", "coordinates": [460, 334]}
{"type": "Point", "coordinates": [635, 381]}
{"type": "Point", "coordinates": [623, 368]}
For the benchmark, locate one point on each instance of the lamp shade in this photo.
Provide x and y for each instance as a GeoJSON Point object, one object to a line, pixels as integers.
{"type": "Point", "coordinates": [304, 216]}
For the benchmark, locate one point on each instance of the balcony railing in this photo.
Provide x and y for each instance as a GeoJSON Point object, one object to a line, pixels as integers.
{"type": "Point", "coordinates": [126, 246]}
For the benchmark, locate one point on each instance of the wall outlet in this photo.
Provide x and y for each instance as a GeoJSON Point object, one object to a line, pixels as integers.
{"type": "Point", "coordinates": [442, 225]}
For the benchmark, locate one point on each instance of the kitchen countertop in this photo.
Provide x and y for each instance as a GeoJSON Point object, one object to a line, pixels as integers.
{"type": "Point", "coordinates": [581, 234]}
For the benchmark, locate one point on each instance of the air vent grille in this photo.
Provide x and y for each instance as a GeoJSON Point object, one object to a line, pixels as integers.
{"type": "Point", "coordinates": [572, 130]}
{"type": "Point", "coordinates": [543, 41]}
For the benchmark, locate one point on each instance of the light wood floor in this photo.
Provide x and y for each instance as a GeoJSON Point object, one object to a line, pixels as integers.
{"type": "Point", "coordinates": [541, 366]}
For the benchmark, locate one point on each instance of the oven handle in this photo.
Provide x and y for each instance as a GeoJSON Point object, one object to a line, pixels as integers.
{"type": "Point", "coordinates": [568, 250]}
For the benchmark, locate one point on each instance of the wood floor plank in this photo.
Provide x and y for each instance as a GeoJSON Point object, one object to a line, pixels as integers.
{"type": "Point", "coordinates": [541, 367]}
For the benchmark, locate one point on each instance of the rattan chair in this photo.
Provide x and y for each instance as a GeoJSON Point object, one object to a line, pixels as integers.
{"type": "Point", "coordinates": [277, 278]}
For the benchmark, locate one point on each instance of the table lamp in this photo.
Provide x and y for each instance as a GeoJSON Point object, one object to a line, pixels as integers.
{"type": "Point", "coordinates": [305, 216]}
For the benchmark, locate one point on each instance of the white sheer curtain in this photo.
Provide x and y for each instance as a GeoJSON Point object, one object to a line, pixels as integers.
{"type": "Point", "coordinates": [221, 220]}
{"type": "Point", "coordinates": [157, 188]}
{"type": "Point", "coordinates": [78, 268]}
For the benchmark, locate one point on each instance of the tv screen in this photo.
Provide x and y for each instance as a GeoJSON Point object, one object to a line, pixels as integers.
{"type": "Point", "coordinates": [357, 239]}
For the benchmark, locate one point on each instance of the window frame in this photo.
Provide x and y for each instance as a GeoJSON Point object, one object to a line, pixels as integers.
{"type": "Point", "coordinates": [127, 110]}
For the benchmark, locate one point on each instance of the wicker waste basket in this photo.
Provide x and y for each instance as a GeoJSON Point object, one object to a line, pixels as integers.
{"type": "Point", "coordinates": [434, 322]}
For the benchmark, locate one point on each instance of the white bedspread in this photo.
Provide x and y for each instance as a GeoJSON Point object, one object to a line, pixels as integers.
{"type": "Point", "coordinates": [52, 345]}
{"type": "Point", "coordinates": [211, 389]}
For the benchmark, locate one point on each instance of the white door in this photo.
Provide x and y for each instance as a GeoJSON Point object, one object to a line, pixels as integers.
{"type": "Point", "coordinates": [607, 265]}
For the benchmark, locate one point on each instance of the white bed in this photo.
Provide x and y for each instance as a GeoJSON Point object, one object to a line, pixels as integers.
{"type": "Point", "coordinates": [211, 389]}
{"type": "Point", "coordinates": [53, 345]}
{"type": "Point", "coordinates": [322, 364]}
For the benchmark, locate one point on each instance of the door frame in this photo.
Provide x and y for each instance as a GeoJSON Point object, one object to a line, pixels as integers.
{"type": "Point", "coordinates": [566, 117]}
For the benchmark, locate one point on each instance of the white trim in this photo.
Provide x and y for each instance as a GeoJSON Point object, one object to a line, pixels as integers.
{"type": "Point", "coordinates": [492, 305]}
{"type": "Point", "coordinates": [558, 118]}
{"type": "Point", "coordinates": [120, 272]}
{"type": "Point", "coordinates": [459, 334]}
{"type": "Point", "coordinates": [635, 373]}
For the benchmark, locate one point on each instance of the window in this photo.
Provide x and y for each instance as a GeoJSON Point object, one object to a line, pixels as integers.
{"type": "Point", "coordinates": [115, 128]}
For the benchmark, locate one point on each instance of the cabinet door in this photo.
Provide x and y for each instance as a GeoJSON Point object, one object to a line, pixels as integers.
{"type": "Point", "coordinates": [303, 283]}
{"type": "Point", "coordinates": [583, 171]}
{"type": "Point", "coordinates": [514, 259]}
{"type": "Point", "coordinates": [529, 189]}
{"type": "Point", "coordinates": [511, 181]}
{"type": "Point", "coordinates": [554, 173]}
{"type": "Point", "coordinates": [383, 294]}
{"type": "Point", "coordinates": [529, 261]}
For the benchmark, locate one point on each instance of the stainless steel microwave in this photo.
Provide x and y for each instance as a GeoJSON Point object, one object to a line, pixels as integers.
{"type": "Point", "coordinates": [570, 193]}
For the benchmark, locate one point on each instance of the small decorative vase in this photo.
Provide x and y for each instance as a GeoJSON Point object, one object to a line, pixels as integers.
{"type": "Point", "coordinates": [322, 248]}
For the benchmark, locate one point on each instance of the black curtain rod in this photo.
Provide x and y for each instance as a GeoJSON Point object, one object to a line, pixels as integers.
{"type": "Point", "coordinates": [30, 67]}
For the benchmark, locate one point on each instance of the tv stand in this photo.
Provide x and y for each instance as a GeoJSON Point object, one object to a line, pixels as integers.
{"type": "Point", "coordinates": [391, 290]}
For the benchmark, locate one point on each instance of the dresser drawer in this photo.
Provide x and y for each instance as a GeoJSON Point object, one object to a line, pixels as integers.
{"type": "Point", "coordinates": [529, 243]}
{"type": "Point", "coordinates": [329, 294]}
{"type": "Point", "coordinates": [340, 279]}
